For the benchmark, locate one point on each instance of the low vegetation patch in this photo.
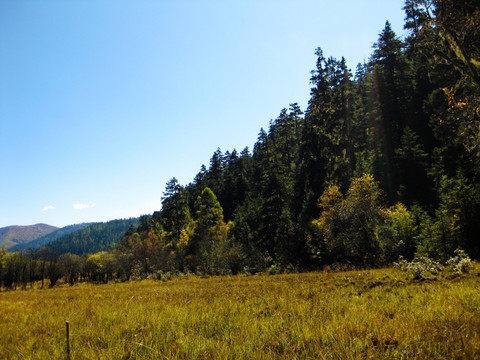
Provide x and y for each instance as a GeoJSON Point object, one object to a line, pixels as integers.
{"type": "Point", "coordinates": [372, 314]}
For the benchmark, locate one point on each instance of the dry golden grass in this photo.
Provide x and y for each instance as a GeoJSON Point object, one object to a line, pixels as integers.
{"type": "Point", "coordinates": [376, 314]}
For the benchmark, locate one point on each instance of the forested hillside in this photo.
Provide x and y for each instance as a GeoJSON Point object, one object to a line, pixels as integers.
{"type": "Point", "coordinates": [383, 163]}
{"type": "Point", "coordinates": [44, 240]}
{"type": "Point", "coordinates": [93, 237]}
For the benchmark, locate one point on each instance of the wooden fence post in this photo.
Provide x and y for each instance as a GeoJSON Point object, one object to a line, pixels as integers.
{"type": "Point", "coordinates": [68, 339]}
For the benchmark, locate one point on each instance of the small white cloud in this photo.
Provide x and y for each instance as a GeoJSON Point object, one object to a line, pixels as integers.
{"type": "Point", "coordinates": [48, 207]}
{"type": "Point", "coordinates": [81, 206]}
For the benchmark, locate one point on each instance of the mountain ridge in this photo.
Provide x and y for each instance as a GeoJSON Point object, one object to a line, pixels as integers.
{"type": "Point", "coordinates": [98, 236]}
{"type": "Point", "coordinates": [54, 235]}
{"type": "Point", "coordinates": [20, 234]}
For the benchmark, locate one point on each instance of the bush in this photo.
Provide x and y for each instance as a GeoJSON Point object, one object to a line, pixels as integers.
{"type": "Point", "coordinates": [419, 267]}
{"type": "Point", "coordinates": [397, 232]}
{"type": "Point", "coordinates": [461, 262]}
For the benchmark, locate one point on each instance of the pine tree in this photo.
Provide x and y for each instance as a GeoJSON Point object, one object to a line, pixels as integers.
{"type": "Point", "coordinates": [175, 215]}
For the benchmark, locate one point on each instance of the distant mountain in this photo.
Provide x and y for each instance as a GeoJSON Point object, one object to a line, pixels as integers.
{"type": "Point", "coordinates": [94, 238]}
{"type": "Point", "coordinates": [13, 235]}
{"type": "Point", "coordinates": [44, 240]}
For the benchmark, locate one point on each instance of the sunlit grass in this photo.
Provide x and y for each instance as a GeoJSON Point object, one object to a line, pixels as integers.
{"type": "Point", "coordinates": [376, 314]}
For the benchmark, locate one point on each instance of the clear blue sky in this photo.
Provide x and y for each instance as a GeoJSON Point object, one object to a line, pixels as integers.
{"type": "Point", "coordinates": [102, 102]}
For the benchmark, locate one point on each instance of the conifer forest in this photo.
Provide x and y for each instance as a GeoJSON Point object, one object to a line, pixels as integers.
{"type": "Point", "coordinates": [383, 163]}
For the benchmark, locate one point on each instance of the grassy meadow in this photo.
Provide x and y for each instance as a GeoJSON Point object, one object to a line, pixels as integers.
{"type": "Point", "coordinates": [373, 314]}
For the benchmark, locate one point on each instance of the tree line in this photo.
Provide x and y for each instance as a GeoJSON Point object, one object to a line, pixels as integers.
{"type": "Point", "coordinates": [383, 163]}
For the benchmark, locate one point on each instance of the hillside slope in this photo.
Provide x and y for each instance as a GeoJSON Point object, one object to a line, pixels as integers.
{"type": "Point", "coordinates": [94, 238]}
{"type": "Point", "coordinates": [44, 240]}
{"type": "Point", "coordinates": [15, 234]}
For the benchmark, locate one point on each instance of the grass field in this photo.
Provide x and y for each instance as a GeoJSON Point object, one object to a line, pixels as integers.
{"type": "Point", "coordinates": [375, 314]}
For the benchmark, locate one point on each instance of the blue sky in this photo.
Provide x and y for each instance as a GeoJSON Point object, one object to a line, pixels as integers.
{"type": "Point", "coordinates": [102, 102]}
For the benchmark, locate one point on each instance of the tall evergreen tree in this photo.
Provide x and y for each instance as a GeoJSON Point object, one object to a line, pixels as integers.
{"type": "Point", "coordinates": [175, 215]}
